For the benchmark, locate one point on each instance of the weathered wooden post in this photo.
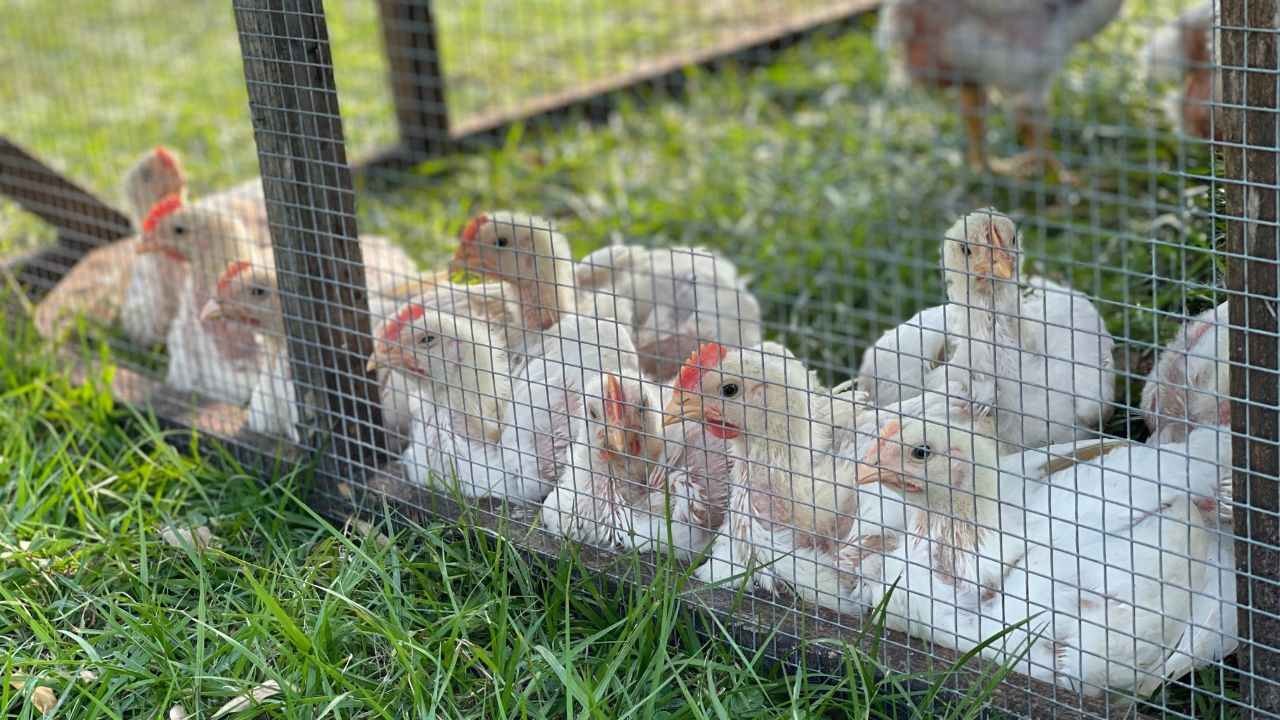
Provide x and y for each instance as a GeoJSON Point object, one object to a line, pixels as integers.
{"type": "Point", "coordinates": [1249, 118]}
{"type": "Point", "coordinates": [311, 207]}
{"type": "Point", "coordinates": [417, 80]}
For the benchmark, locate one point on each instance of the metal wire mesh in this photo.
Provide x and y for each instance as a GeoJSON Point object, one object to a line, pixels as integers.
{"type": "Point", "coordinates": [942, 310]}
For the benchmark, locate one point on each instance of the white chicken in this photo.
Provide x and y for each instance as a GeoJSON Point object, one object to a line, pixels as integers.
{"type": "Point", "coordinates": [1041, 358]}
{"type": "Point", "coordinates": [483, 302]}
{"type": "Point", "coordinates": [1116, 564]}
{"type": "Point", "coordinates": [526, 254]}
{"type": "Point", "coordinates": [680, 298]}
{"type": "Point", "coordinates": [791, 502]}
{"type": "Point", "coordinates": [629, 485]}
{"type": "Point", "coordinates": [216, 358]}
{"type": "Point", "coordinates": [545, 405]}
{"type": "Point", "coordinates": [247, 296]}
{"type": "Point", "coordinates": [1189, 386]}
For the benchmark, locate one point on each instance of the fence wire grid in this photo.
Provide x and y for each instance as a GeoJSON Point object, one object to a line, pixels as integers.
{"type": "Point", "coordinates": [960, 309]}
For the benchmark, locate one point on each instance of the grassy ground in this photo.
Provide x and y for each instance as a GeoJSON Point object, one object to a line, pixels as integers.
{"type": "Point", "coordinates": [823, 180]}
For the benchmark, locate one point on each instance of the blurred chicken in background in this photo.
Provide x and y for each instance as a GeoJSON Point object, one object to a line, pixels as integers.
{"type": "Point", "coordinates": [1017, 46]}
{"type": "Point", "coordinates": [1183, 52]}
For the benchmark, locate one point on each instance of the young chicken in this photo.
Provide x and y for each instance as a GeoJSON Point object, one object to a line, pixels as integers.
{"type": "Point", "coordinates": [216, 358]}
{"type": "Point", "coordinates": [155, 176]}
{"type": "Point", "coordinates": [531, 258]}
{"type": "Point", "coordinates": [1118, 567]}
{"type": "Point", "coordinates": [1189, 386]}
{"type": "Point", "coordinates": [95, 290]}
{"type": "Point", "coordinates": [792, 501]}
{"type": "Point", "coordinates": [112, 284]}
{"type": "Point", "coordinates": [680, 298]}
{"type": "Point", "coordinates": [1017, 46]}
{"type": "Point", "coordinates": [628, 485]}
{"type": "Point", "coordinates": [247, 296]}
{"type": "Point", "coordinates": [1184, 51]}
{"type": "Point", "coordinates": [1041, 358]}
{"type": "Point", "coordinates": [476, 428]}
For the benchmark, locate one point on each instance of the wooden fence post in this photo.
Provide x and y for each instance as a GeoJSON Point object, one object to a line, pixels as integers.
{"type": "Point", "coordinates": [311, 207]}
{"type": "Point", "coordinates": [1249, 115]}
{"type": "Point", "coordinates": [417, 79]}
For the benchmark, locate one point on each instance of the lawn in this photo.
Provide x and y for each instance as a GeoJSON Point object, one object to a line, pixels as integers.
{"type": "Point", "coordinates": [825, 181]}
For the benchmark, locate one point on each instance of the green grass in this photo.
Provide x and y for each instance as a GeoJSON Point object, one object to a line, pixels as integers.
{"type": "Point", "coordinates": [435, 621]}
{"type": "Point", "coordinates": [826, 183]}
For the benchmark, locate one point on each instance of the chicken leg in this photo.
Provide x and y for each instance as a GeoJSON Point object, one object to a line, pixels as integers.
{"type": "Point", "coordinates": [1038, 159]}
{"type": "Point", "coordinates": [973, 110]}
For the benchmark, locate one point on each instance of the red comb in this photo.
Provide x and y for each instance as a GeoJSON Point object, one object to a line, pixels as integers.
{"type": "Point", "coordinates": [473, 227]}
{"type": "Point", "coordinates": [233, 269]}
{"type": "Point", "coordinates": [893, 428]}
{"type": "Point", "coordinates": [404, 317]}
{"type": "Point", "coordinates": [159, 211]}
{"type": "Point", "coordinates": [705, 357]}
{"type": "Point", "coordinates": [165, 158]}
{"type": "Point", "coordinates": [612, 399]}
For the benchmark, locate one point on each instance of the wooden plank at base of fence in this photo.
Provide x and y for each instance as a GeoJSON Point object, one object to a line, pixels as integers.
{"type": "Point", "coordinates": [293, 101]}
{"type": "Point", "coordinates": [594, 100]}
{"type": "Point", "coordinates": [1249, 117]}
{"type": "Point", "coordinates": [82, 220]}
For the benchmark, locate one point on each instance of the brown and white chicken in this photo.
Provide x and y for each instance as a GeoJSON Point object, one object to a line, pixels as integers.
{"type": "Point", "coordinates": [1184, 52]}
{"type": "Point", "coordinates": [1017, 46]}
{"type": "Point", "coordinates": [155, 176]}
{"type": "Point", "coordinates": [532, 260]}
{"type": "Point", "coordinates": [112, 284]}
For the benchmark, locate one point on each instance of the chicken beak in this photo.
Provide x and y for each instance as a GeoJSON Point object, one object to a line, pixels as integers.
{"type": "Point", "coordinates": [379, 360]}
{"type": "Point", "coordinates": [1003, 265]}
{"type": "Point", "coordinates": [615, 440]}
{"type": "Point", "coordinates": [465, 259]}
{"type": "Point", "coordinates": [211, 310]}
{"type": "Point", "coordinates": [682, 407]}
{"type": "Point", "coordinates": [868, 474]}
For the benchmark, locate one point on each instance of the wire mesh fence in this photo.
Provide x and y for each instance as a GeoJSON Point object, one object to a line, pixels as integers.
{"type": "Point", "coordinates": [962, 311]}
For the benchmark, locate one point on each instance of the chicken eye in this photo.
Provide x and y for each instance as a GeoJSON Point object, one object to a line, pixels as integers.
{"type": "Point", "coordinates": [501, 241]}
{"type": "Point", "coordinates": [967, 250]}
{"type": "Point", "coordinates": [920, 452]}
{"type": "Point", "coordinates": [179, 229]}
{"type": "Point", "coordinates": [427, 339]}
{"type": "Point", "coordinates": [591, 413]}
{"type": "Point", "coordinates": [258, 291]}
{"type": "Point", "coordinates": [729, 390]}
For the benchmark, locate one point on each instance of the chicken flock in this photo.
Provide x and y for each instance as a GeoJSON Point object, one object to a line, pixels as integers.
{"type": "Point", "coordinates": [631, 398]}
